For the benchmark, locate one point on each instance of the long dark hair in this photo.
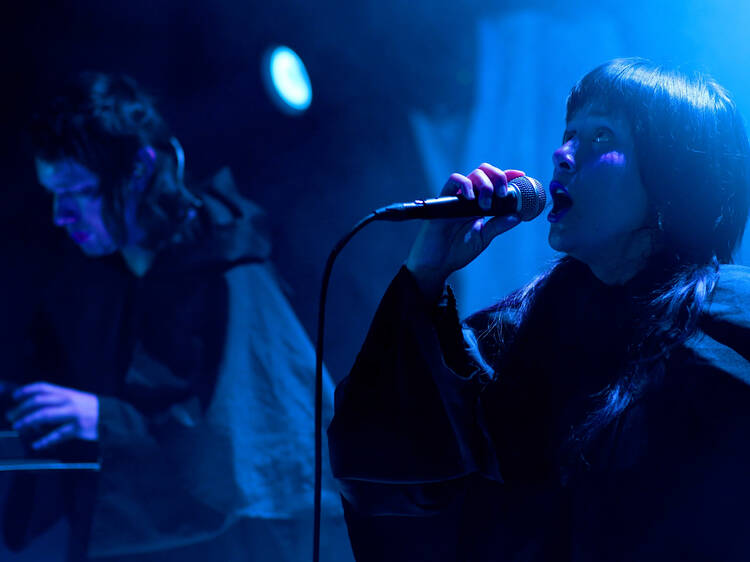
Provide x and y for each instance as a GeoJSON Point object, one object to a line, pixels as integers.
{"type": "Point", "coordinates": [694, 162]}
{"type": "Point", "coordinates": [102, 121]}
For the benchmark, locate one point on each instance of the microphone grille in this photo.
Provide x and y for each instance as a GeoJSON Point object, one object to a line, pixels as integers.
{"type": "Point", "coordinates": [533, 197]}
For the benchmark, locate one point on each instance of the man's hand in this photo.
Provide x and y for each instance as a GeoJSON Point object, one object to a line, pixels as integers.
{"type": "Point", "coordinates": [48, 414]}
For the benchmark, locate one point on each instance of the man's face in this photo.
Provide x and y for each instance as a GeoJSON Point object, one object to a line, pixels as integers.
{"type": "Point", "coordinates": [77, 204]}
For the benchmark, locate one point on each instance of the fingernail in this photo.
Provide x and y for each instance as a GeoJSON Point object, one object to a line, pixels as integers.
{"type": "Point", "coordinates": [485, 204]}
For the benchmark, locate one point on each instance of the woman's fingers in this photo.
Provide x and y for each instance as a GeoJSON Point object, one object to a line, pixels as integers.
{"type": "Point", "coordinates": [483, 183]}
{"type": "Point", "coordinates": [490, 181]}
{"type": "Point", "coordinates": [458, 185]}
{"type": "Point", "coordinates": [483, 187]}
{"type": "Point", "coordinates": [513, 174]}
{"type": "Point", "coordinates": [498, 178]}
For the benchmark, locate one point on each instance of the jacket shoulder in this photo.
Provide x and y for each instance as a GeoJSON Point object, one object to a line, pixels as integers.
{"type": "Point", "coordinates": [731, 299]}
{"type": "Point", "coordinates": [723, 340]}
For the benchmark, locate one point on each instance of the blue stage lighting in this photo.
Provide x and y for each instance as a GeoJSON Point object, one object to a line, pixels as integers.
{"type": "Point", "coordinates": [286, 80]}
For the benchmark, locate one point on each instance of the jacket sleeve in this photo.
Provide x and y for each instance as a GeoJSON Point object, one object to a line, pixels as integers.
{"type": "Point", "coordinates": [146, 484]}
{"type": "Point", "coordinates": [175, 475]}
{"type": "Point", "coordinates": [405, 431]}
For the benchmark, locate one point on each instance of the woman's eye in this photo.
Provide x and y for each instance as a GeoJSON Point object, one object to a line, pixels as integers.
{"type": "Point", "coordinates": [602, 135]}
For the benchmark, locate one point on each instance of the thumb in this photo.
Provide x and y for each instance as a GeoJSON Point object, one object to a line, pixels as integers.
{"type": "Point", "coordinates": [497, 225]}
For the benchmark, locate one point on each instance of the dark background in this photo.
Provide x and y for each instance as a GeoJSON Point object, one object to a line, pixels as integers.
{"type": "Point", "coordinates": [315, 174]}
{"type": "Point", "coordinates": [371, 64]}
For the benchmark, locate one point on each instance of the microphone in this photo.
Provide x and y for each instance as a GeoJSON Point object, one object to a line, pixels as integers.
{"type": "Point", "coordinates": [525, 197]}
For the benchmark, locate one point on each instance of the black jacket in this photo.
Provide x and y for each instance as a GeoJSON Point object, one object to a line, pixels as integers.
{"type": "Point", "coordinates": [441, 461]}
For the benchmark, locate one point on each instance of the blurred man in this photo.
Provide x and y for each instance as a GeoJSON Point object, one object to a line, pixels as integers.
{"type": "Point", "coordinates": [172, 358]}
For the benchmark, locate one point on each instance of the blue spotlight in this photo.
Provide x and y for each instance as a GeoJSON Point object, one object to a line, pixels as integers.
{"type": "Point", "coordinates": [286, 80]}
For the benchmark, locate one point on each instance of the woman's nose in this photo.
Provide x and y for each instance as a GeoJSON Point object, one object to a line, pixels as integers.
{"type": "Point", "coordinates": [63, 212]}
{"type": "Point", "coordinates": [564, 157]}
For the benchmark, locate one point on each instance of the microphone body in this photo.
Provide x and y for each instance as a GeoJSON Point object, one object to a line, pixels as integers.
{"type": "Point", "coordinates": [525, 197]}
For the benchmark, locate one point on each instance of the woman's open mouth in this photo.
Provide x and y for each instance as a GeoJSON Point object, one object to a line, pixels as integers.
{"type": "Point", "coordinates": [561, 201]}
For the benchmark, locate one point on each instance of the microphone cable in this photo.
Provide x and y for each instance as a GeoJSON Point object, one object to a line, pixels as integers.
{"type": "Point", "coordinates": [319, 375]}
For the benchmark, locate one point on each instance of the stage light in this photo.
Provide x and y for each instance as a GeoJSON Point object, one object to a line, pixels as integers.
{"type": "Point", "coordinates": [286, 80]}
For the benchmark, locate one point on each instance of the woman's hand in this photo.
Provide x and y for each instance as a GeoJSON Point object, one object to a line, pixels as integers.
{"type": "Point", "coordinates": [48, 414]}
{"type": "Point", "coordinates": [445, 245]}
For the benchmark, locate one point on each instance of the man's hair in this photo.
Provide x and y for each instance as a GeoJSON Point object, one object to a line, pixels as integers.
{"type": "Point", "coordinates": [102, 121]}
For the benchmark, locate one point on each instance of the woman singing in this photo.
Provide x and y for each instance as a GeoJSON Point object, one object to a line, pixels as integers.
{"type": "Point", "coordinates": [601, 412]}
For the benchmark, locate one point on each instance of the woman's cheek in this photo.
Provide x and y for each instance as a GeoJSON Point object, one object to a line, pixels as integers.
{"type": "Point", "coordinates": [613, 158]}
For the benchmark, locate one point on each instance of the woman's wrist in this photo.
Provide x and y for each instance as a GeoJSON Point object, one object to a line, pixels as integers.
{"type": "Point", "coordinates": [431, 282]}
